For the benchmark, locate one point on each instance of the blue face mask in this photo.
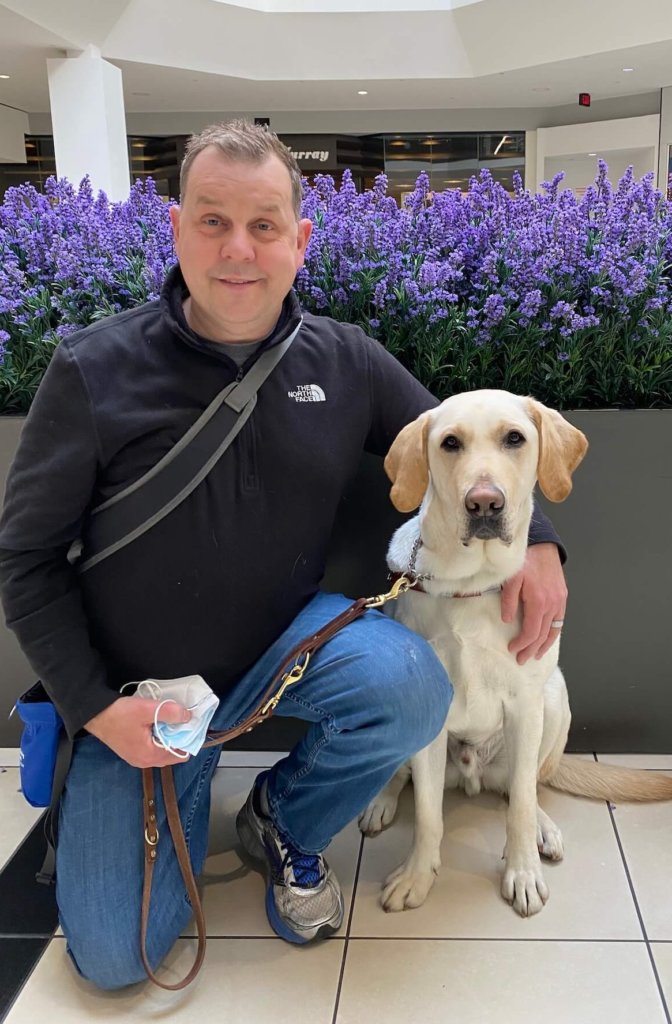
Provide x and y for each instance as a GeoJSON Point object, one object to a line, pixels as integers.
{"type": "Point", "coordinates": [181, 738]}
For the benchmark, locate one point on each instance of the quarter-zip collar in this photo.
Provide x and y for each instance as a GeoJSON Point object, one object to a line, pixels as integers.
{"type": "Point", "coordinates": [175, 291]}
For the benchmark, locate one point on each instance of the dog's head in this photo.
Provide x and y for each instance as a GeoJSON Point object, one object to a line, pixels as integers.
{"type": "Point", "coordinates": [482, 451]}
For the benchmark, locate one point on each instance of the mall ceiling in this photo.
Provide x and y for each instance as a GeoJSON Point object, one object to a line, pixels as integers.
{"type": "Point", "coordinates": [312, 55]}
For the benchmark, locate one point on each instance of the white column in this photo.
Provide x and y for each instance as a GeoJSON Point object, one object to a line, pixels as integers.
{"type": "Point", "coordinates": [13, 129]}
{"type": "Point", "coordinates": [89, 122]}
{"type": "Point", "coordinates": [531, 183]}
{"type": "Point", "coordinates": [665, 136]}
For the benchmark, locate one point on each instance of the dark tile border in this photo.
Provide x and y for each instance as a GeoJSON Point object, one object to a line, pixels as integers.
{"type": "Point", "coordinates": [28, 916]}
{"type": "Point", "coordinates": [26, 907]}
{"type": "Point", "coordinates": [18, 956]}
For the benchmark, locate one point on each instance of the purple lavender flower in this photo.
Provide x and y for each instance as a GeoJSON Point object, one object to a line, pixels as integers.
{"type": "Point", "coordinates": [468, 290]}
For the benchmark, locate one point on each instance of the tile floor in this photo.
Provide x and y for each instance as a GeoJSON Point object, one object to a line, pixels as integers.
{"type": "Point", "coordinates": [599, 953]}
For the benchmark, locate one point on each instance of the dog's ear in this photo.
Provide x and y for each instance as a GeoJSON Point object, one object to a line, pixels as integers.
{"type": "Point", "coordinates": [407, 467]}
{"type": "Point", "coordinates": [561, 448]}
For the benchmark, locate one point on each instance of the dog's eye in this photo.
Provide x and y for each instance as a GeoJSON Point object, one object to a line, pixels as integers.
{"type": "Point", "coordinates": [514, 439]}
{"type": "Point", "coordinates": [451, 443]}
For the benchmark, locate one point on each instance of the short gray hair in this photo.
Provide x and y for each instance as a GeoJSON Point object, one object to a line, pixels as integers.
{"type": "Point", "coordinates": [247, 142]}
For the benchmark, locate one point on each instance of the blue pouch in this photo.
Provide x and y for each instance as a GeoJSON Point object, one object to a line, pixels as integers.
{"type": "Point", "coordinates": [42, 727]}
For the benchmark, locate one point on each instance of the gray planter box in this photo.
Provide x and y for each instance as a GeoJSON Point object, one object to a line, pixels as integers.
{"type": "Point", "coordinates": [616, 526]}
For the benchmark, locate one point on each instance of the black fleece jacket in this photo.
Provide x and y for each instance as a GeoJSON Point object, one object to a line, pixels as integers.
{"type": "Point", "coordinates": [212, 585]}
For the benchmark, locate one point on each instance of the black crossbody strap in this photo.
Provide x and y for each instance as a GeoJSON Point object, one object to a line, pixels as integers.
{"type": "Point", "coordinates": [129, 514]}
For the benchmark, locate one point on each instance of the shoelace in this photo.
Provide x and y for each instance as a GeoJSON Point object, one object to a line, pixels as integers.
{"type": "Point", "coordinates": [305, 866]}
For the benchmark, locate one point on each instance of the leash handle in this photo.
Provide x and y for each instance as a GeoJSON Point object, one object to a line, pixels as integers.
{"type": "Point", "coordinates": [290, 672]}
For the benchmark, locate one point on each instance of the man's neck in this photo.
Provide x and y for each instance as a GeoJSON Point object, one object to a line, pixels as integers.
{"type": "Point", "coordinates": [206, 329]}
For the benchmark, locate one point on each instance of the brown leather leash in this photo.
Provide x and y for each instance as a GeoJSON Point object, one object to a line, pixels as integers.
{"type": "Point", "coordinates": [289, 673]}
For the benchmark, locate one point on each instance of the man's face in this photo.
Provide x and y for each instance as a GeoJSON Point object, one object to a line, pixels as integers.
{"type": "Point", "coordinates": [239, 245]}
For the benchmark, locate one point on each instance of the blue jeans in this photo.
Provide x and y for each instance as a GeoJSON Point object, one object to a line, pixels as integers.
{"type": "Point", "coordinates": [374, 694]}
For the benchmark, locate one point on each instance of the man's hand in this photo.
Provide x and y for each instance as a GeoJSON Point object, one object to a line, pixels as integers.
{"type": "Point", "coordinates": [126, 728]}
{"type": "Point", "coordinates": [541, 587]}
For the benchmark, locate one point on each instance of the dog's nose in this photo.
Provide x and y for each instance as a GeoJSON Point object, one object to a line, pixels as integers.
{"type": "Point", "coordinates": [484, 501]}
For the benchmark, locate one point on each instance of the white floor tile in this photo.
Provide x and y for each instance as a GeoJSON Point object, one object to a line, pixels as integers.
{"type": "Point", "coordinates": [233, 892]}
{"type": "Point", "coordinates": [638, 760]}
{"type": "Point", "coordinates": [9, 757]}
{"type": "Point", "coordinates": [244, 981]}
{"type": "Point", "coordinates": [249, 758]}
{"type": "Point", "coordinates": [498, 983]}
{"type": "Point", "coordinates": [662, 954]}
{"type": "Point", "coordinates": [16, 814]}
{"type": "Point", "coordinates": [590, 898]}
{"type": "Point", "coordinates": [646, 833]}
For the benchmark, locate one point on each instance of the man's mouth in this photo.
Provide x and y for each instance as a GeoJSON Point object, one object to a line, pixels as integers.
{"type": "Point", "coordinates": [237, 282]}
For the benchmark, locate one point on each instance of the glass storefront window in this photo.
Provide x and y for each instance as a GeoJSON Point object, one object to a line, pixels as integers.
{"type": "Point", "coordinates": [450, 160]}
{"type": "Point", "coordinates": [159, 158]}
{"type": "Point", "coordinates": [40, 164]}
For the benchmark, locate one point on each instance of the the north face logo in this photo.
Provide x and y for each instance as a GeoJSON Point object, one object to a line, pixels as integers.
{"type": "Point", "coordinates": [308, 393]}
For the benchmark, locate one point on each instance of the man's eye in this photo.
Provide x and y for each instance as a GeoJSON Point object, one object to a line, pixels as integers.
{"type": "Point", "coordinates": [264, 226]}
{"type": "Point", "coordinates": [514, 439]}
{"type": "Point", "coordinates": [212, 222]}
{"type": "Point", "coordinates": [451, 443]}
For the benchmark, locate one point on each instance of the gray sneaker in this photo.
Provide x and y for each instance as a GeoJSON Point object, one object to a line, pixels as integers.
{"type": "Point", "coordinates": [303, 898]}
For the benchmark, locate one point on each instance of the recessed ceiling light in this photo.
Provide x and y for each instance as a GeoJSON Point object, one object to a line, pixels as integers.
{"type": "Point", "coordinates": [362, 92]}
{"type": "Point", "coordinates": [592, 154]}
{"type": "Point", "coordinates": [628, 69]}
{"type": "Point", "coordinates": [4, 76]}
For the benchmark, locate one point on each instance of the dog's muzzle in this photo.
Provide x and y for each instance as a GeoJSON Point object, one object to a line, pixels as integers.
{"type": "Point", "coordinates": [485, 506]}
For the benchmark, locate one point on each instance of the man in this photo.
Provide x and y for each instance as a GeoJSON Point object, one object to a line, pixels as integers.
{"type": "Point", "coordinates": [227, 584]}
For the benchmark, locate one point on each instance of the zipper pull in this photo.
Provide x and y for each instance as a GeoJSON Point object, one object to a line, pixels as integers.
{"type": "Point", "coordinates": [240, 375]}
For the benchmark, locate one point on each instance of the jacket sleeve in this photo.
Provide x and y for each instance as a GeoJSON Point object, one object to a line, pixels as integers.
{"type": "Point", "coordinates": [397, 398]}
{"type": "Point", "coordinates": [49, 491]}
{"type": "Point", "coordinates": [542, 531]}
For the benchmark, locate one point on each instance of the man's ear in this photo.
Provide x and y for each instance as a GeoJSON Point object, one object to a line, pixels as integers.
{"type": "Point", "coordinates": [174, 213]}
{"type": "Point", "coordinates": [304, 231]}
{"type": "Point", "coordinates": [407, 467]}
{"type": "Point", "coordinates": [561, 448]}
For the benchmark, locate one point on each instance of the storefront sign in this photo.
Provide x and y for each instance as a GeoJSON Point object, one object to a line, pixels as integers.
{"type": "Point", "coordinates": [312, 152]}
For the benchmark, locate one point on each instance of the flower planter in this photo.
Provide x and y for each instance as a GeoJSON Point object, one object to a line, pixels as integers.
{"type": "Point", "coordinates": [615, 525]}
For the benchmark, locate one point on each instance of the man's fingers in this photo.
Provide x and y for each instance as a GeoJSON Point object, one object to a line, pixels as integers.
{"type": "Point", "coordinates": [157, 758]}
{"type": "Point", "coordinates": [548, 642]}
{"type": "Point", "coordinates": [172, 712]}
{"type": "Point", "coordinates": [169, 710]}
{"type": "Point", "coordinates": [511, 597]}
{"type": "Point", "coordinates": [532, 622]}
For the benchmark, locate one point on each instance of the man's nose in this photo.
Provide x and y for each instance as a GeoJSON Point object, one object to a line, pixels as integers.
{"type": "Point", "coordinates": [237, 245]}
{"type": "Point", "coordinates": [484, 501]}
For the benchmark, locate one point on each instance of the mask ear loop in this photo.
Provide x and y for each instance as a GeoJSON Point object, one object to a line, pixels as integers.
{"type": "Point", "coordinates": [157, 738]}
{"type": "Point", "coordinates": [147, 684]}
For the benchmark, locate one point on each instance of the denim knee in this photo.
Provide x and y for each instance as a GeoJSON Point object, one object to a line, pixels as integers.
{"type": "Point", "coordinates": [109, 957]}
{"type": "Point", "coordinates": [111, 965]}
{"type": "Point", "coordinates": [419, 691]}
{"type": "Point", "coordinates": [107, 969]}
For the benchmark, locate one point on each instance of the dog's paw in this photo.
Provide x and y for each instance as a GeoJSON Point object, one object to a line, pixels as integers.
{"type": "Point", "coordinates": [549, 841]}
{"type": "Point", "coordinates": [525, 889]}
{"type": "Point", "coordinates": [408, 887]}
{"type": "Point", "coordinates": [379, 814]}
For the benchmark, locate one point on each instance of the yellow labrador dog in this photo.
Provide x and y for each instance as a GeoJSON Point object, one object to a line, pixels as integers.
{"type": "Point", "coordinates": [471, 466]}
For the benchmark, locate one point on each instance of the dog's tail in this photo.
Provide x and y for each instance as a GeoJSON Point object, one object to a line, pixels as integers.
{"type": "Point", "coordinates": [607, 782]}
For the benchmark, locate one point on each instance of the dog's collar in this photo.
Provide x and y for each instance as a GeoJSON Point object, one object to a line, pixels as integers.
{"type": "Point", "coordinates": [416, 579]}
{"type": "Point", "coordinates": [415, 583]}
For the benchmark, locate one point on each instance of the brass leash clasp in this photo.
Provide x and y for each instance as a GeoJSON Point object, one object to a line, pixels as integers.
{"type": "Point", "coordinates": [289, 678]}
{"type": "Point", "coordinates": [399, 587]}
